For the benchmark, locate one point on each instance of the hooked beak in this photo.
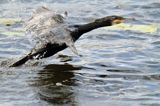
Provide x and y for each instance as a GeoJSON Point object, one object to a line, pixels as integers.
{"type": "Point", "coordinates": [118, 21]}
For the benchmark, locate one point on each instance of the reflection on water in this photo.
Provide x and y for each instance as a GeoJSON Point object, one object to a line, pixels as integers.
{"type": "Point", "coordinates": [116, 67]}
{"type": "Point", "coordinates": [54, 84]}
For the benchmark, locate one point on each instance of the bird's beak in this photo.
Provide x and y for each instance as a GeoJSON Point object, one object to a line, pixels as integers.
{"type": "Point", "coordinates": [118, 21]}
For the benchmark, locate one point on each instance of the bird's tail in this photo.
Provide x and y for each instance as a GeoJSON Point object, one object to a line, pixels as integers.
{"type": "Point", "coordinates": [21, 61]}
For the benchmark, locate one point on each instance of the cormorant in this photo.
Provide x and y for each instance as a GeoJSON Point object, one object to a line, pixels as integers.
{"type": "Point", "coordinates": [52, 34]}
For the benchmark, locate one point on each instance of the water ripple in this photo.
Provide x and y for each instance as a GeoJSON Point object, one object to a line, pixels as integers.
{"type": "Point", "coordinates": [115, 67]}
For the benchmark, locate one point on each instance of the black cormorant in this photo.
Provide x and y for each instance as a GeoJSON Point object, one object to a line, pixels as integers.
{"type": "Point", "coordinates": [52, 34]}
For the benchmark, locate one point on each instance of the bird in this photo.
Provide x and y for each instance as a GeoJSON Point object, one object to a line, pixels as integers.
{"type": "Point", "coordinates": [51, 33]}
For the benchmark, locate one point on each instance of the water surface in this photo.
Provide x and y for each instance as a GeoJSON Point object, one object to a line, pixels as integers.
{"type": "Point", "coordinates": [116, 67]}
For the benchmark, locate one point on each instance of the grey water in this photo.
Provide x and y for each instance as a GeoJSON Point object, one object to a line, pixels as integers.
{"type": "Point", "coordinates": [117, 67]}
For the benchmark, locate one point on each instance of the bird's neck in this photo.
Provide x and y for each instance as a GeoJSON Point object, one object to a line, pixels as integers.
{"type": "Point", "coordinates": [91, 26]}
{"type": "Point", "coordinates": [81, 29]}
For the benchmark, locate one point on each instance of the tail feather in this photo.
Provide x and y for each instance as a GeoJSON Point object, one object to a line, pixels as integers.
{"type": "Point", "coordinates": [21, 61]}
{"type": "Point", "coordinates": [28, 57]}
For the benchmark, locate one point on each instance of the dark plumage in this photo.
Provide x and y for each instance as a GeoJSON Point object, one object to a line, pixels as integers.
{"type": "Point", "coordinates": [51, 34]}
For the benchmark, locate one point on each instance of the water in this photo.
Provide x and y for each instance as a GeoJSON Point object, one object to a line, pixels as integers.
{"type": "Point", "coordinates": [116, 67]}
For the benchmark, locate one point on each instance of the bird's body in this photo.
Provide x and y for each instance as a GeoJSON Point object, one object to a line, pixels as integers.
{"type": "Point", "coordinates": [52, 34]}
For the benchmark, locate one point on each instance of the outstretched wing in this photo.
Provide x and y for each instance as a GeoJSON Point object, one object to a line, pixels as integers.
{"type": "Point", "coordinates": [43, 20]}
{"type": "Point", "coordinates": [49, 33]}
